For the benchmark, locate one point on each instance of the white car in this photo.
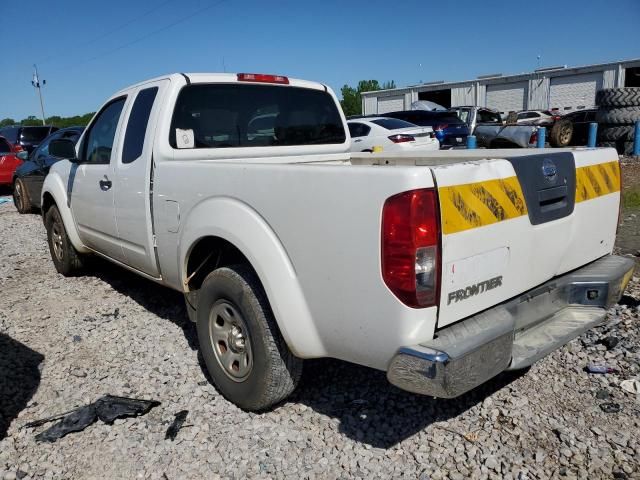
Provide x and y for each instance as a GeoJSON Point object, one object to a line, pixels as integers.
{"type": "Point", "coordinates": [391, 135]}
{"type": "Point", "coordinates": [536, 117]}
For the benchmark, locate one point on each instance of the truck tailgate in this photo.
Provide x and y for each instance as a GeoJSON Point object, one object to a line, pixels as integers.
{"type": "Point", "coordinates": [513, 223]}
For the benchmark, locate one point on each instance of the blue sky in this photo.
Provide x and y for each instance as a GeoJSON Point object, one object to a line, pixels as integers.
{"type": "Point", "coordinates": [88, 50]}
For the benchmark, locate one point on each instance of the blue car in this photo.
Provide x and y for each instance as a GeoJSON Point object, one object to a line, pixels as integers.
{"type": "Point", "coordinates": [449, 129]}
{"type": "Point", "coordinates": [29, 177]}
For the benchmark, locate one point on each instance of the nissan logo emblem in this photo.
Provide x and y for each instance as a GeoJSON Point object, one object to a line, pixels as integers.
{"type": "Point", "coordinates": [549, 169]}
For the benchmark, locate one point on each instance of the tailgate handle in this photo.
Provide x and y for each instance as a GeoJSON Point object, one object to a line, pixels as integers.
{"type": "Point", "coordinates": [552, 198]}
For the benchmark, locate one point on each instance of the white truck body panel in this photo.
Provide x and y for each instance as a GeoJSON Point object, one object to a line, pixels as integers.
{"type": "Point", "coordinates": [308, 219]}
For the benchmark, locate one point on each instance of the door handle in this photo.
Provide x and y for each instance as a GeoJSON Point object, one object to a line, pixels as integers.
{"type": "Point", "coordinates": [359, 140]}
{"type": "Point", "coordinates": [105, 184]}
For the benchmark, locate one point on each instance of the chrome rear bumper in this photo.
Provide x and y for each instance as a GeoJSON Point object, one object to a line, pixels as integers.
{"type": "Point", "coordinates": [514, 334]}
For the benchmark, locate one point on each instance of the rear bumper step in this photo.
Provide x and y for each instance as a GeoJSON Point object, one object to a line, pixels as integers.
{"type": "Point", "coordinates": [514, 334]}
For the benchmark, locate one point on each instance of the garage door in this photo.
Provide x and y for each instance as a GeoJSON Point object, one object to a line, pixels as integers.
{"type": "Point", "coordinates": [390, 104]}
{"type": "Point", "coordinates": [508, 97]}
{"type": "Point", "coordinates": [569, 93]}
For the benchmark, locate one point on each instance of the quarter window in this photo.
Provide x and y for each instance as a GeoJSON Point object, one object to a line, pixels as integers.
{"type": "Point", "coordinates": [99, 141]}
{"type": "Point", "coordinates": [137, 126]}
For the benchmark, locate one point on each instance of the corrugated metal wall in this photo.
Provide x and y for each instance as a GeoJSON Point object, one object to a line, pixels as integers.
{"type": "Point", "coordinates": [465, 95]}
{"type": "Point", "coordinates": [574, 91]}
{"type": "Point", "coordinates": [390, 104]}
{"type": "Point", "coordinates": [370, 106]}
{"type": "Point", "coordinates": [481, 95]}
{"type": "Point", "coordinates": [609, 78]}
{"type": "Point", "coordinates": [538, 94]}
{"type": "Point", "coordinates": [507, 97]}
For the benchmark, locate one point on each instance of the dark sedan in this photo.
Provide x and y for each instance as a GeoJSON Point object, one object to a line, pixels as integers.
{"type": "Point", "coordinates": [448, 128]}
{"type": "Point", "coordinates": [29, 177]}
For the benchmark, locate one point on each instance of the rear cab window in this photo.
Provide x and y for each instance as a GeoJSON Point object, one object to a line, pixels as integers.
{"type": "Point", "coordinates": [247, 115]}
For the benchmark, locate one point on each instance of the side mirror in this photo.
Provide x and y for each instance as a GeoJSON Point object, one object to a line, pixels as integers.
{"type": "Point", "coordinates": [63, 148]}
{"type": "Point", "coordinates": [23, 155]}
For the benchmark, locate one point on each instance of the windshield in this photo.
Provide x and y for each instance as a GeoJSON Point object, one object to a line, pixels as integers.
{"type": "Point", "coordinates": [240, 115]}
{"type": "Point", "coordinates": [392, 123]}
{"type": "Point", "coordinates": [34, 134]}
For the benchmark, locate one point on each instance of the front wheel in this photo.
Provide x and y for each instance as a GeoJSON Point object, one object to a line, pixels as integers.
{"type": "Point", "coordinates": [246, 356]}
{"type": "Point", "coordinates": [64, 255]}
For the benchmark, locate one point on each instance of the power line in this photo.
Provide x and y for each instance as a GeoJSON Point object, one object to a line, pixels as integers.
{"type": "Point", "coordinates": [116, 29]}
{"type": "Point", "coordinates": [144, 37]}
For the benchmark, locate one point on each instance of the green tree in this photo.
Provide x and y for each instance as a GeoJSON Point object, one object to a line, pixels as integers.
{"type": "Point", "coordinates": [30, 121]}
{"type": "Point", "coordinates": [5, 122]}
{"type": "Point", "coordinates": [351, 97]}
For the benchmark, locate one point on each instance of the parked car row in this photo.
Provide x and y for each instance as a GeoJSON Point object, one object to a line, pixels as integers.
{"type": "Point", "coordinates": [29, 176]}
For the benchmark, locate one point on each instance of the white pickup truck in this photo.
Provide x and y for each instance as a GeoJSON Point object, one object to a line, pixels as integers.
{"type": "Point", "coordinates": [239, 191]}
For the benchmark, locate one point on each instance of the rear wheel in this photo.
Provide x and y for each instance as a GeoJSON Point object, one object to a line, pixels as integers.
{"type": "Point", "coordinates": [561, 133]}
{"type": "Point", "coordinates": [21, 198]}
{"type": "Point", "coordinates": [64, 255]}
{"type": "Point", "coordinates": [245, 354]}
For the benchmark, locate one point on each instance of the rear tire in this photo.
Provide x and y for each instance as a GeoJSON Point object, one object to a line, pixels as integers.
{"type": "Point", "coordinates": [21, 198]}
{"type": "Point", "coordinates": [65, 257]}
{"type": "Point", "coordinates": [561, 133]}
{"type": "Point", "coordinates": [246, 356]}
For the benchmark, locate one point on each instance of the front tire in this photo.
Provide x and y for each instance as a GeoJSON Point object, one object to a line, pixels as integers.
{"type": "Point", "coordinates": [64, 255]}
{"type": "Point", "coordinates": [21, 198]}
{"type": "Point", "coordinates": [246, 356]}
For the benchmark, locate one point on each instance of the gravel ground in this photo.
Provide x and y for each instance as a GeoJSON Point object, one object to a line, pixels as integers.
{"type": "Point", "coordinates": [66, 342]}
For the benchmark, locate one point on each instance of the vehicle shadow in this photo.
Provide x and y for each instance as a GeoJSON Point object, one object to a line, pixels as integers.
{"type": "Point", "coordinates": [373, 411]}
{"type": "Point", "coordinates": [19, 379]}
{"type": "Point", "coordinates": [161, 301]}
{"type": "Point", "coordinates": [369, 408]}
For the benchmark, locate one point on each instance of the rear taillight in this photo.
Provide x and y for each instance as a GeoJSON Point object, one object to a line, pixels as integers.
{"type": "Point", "coordinates": [410, 252]}
{"type": "Point", "coordinates": [534, 138]}
{"type": "Point", "coordinates": [262, 78]}
{"type": "Point", "coordinates": [401, 138]}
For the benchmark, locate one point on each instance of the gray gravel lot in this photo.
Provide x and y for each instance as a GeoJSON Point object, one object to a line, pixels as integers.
{"type": "Point", "coordinates": [66, 342]}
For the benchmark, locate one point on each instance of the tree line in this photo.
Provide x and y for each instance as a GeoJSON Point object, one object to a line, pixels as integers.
{"type": "Point", "coordinates": [55, 120]}
{"type": "Point", "coordinates": [351, 99]}
{"type": "Point", "coordinates": [351, 104]}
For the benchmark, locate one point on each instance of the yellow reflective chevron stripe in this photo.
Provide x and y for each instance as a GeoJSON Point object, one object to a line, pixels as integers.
{"type": "Point", "coordinates": [472, 205]}
{"type": "Point", "coordinates": [596, 180]}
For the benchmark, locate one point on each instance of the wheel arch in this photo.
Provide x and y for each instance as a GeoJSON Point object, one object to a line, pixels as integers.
{"type": "Point", "coordinates": [224, 231]}
{"type": "Point", "coordinates": [54, 193]}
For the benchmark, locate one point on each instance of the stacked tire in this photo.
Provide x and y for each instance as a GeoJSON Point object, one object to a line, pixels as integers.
{"type": "Point", "coordinates": [618, 111]}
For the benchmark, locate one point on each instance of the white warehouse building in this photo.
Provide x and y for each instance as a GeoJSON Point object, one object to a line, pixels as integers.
{"type": "Point", "coordinates": [554, 88]}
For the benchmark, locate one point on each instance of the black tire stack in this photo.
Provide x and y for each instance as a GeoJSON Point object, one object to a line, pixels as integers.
{"type": "Point", "coordinates": [618, 110]}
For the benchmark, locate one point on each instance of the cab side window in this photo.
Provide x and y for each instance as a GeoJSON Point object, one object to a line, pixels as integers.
{"type": "Point", "coordinates": [97, 146]}
{"type": "Point", "coordinates": [137, 125]}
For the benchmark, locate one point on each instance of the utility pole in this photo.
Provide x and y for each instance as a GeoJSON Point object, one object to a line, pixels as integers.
{"type": "Point", "coordinates": [36, 83]}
